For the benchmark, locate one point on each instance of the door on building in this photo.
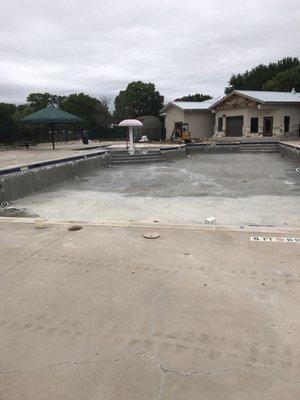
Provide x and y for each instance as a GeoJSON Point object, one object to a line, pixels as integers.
{"type": "Point", "coordinates": [234, 126]}
{"type": "Point", "coordinates": [268, 126]}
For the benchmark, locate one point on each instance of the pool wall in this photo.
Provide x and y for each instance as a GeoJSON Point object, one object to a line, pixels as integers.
{"type": "Point", "coordinates": [213, 148]}
{"type": "Point", "coordinates": [290, 151]}
{"type": "Point", "coordinates": [27, 180]}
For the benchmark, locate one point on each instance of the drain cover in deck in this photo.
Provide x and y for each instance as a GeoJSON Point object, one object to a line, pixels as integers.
{"type": "Point", "coordinates": [151, 235]}
{"type": "Point", "coordinates": [74, 228]}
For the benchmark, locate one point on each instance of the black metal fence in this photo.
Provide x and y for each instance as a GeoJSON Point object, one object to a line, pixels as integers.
{"type": "Point", "coordinates": [102, 134]}
{"type": "Point", "coordinates": [41, 134]}
{"type": "Point", "coordinates": [120, 133]}
{"type": "Point", "coordinates": [38, 134]}
{"type": "Point", "coordinates": [155, 133]}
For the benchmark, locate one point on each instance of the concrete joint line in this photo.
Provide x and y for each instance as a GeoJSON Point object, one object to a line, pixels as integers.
{"type": "Point", "coordinates": [18, 263]}
{"type": "Point", "coordinates": [196, 227]}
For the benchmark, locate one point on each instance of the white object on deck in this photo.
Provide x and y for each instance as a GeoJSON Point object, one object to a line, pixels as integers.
{"type": "Point", "coordinates": [210, 220]}
{"type": "Point", "coordinates": [130, 123]}
{"type": "Point", "coordinates": [40, 223]}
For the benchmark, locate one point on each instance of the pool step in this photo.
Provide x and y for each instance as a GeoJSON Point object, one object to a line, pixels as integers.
{"type": "Point", "coordinates": [125, 158]}
{"type": "Point", "coordinates": [257, 148]}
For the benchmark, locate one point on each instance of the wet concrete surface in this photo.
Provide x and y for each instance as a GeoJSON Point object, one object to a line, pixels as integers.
{"type": "Point", "coordinates": [242, 189]}
{"type": "Point", "coordinates": [102, 313]}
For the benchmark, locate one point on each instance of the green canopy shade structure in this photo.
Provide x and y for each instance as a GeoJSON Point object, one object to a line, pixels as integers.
{"type": "Point", "coordinates": [51, 115]}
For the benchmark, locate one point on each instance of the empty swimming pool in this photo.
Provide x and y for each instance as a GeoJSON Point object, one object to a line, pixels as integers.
{"type": "Point", "coordinates": [236, 189]}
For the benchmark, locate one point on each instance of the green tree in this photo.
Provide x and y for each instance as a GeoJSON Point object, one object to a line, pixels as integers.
{"type": "Point", "coordinates": [256, 78]}
{"type": "Point", "coordinates": [285, 81]}
{"type": "Point", "coordinates": [93, 113]}
{"type": "Point", "coordinates": [91, 110]}
{"type": "Point", "coordinates": [138, 99]}
{"type": "Point", "coordinates": [37, 101]}
{"type": "Point", "coordinates": [194, 97]}
{"type": "Point", "coordinates": [21, 111]}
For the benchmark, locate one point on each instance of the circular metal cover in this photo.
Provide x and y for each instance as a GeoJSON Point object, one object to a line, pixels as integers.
{"type": "Point", "coordinates": [151, 235]}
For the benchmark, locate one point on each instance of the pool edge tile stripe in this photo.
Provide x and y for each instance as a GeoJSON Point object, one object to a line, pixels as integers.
{"type": "Point", "coordinates": [28, 167]}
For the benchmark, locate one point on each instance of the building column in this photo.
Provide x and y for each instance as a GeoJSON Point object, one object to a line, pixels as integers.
{"type": "Point", "coordinates": [224, 126]}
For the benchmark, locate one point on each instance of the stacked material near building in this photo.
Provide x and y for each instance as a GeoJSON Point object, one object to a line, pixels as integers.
{"type": "Point", "coordinates": [152, 128]}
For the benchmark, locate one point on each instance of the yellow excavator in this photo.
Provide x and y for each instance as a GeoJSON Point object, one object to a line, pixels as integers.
{"type": "Point", "coordinates": [181, 132]}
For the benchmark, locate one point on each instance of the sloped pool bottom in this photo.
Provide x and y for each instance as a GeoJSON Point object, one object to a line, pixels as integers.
{"type": "Point", "coordinates": [235, 188]}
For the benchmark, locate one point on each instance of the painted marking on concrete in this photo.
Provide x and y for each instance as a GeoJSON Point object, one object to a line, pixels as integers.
{"type": "Point", "coordinates": [274, 239]}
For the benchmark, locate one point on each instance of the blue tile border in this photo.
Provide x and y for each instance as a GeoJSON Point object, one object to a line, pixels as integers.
{"type": "Point", "coordinates": [216, 144]}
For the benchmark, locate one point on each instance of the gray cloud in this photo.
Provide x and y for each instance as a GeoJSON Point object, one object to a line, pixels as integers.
{"type": "Point", "coordinates": [99, 46]}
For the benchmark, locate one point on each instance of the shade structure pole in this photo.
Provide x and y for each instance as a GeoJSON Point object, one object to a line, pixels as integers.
{"type": "Point", "coordinates": [131, 147]}
{"type": "Point", "coordinates": [52, 135]}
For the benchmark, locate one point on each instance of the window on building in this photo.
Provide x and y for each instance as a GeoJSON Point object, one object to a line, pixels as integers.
{"type": "Point", "coordinates": [286, 123]}
{"type": "Point", "coordinates": [254, 125]}
{"type": "Point", "coordinates": [220, 124]}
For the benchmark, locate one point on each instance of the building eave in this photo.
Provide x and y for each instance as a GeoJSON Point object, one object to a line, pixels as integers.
{"type": "Point", "coordinates": [253, 98]}
{"type": "Point", "coordinates": [168, 106]}
{"type": "Point", "coordinates": [173, 104]}
{"type": "Point", "coordinates": [234, 92]}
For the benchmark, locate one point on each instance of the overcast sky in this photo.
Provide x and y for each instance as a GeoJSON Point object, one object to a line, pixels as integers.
{"type": "Point", "coordinates": [99, 46]}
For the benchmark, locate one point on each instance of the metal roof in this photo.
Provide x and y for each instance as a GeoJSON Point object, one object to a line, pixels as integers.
{"type": "Point", "coordinates": [263, 97]}
{"type": "Point", "coordinates": [267, 96]}
{"type": "Point", "coordinates": [192, 105]}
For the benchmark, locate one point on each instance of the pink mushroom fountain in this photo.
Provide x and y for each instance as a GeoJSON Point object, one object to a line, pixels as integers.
{"type": "Point", "coordinates": [130, 123]}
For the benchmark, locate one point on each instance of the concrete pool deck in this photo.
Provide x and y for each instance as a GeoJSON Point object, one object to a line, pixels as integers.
{"type": "Point", "coordinates": [103, 313]}
{"type": "Point", "coordinates": [11, 158]}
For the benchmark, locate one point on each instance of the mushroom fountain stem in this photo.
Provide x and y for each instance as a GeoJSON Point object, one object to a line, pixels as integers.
{"type": "Point", "coordinates": [131, 146]}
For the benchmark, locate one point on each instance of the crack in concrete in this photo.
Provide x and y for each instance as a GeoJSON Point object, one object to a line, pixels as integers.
{"type": "Point", "coordinates": [18, 263]}
{"type": "Point", "coordinates": [214, 372]}
{"type": "Point", "coordinates": [222, 371]}
{"type": "Point", "coordinates": [163, 370]}
{"type": "Point", "coordinates": [201, 372]}
{"type": "Point", "coordinates": [162, 375]}
{"type": "Point", "coordinates": [74, 363]}
{"type": "Point", "coordinates": [155, 356]}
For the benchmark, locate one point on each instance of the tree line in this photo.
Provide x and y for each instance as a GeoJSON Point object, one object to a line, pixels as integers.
{"type": "Point", "coordinates": [138, 99]}
{"type": "Point", "coordinates": [141, 98]}
{"type": "Point", "coordinates": [281, 76]}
